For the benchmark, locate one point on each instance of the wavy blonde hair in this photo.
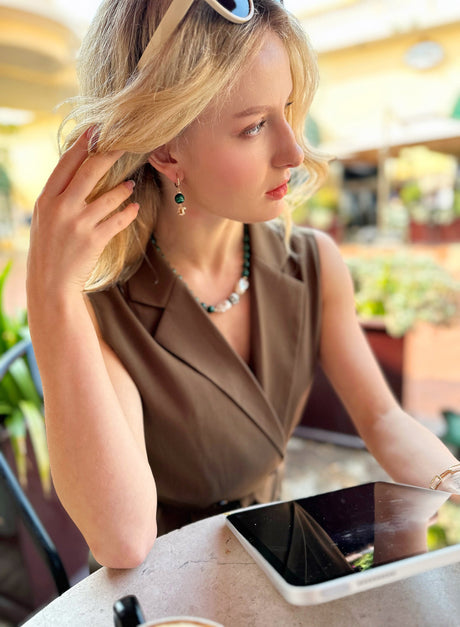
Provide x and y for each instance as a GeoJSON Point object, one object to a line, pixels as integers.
{"type": "Point", "coordinates": [139, 111]}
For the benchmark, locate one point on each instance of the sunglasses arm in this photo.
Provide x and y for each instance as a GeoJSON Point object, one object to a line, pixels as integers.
{"type": "Point", "coordinates": [175, 13]}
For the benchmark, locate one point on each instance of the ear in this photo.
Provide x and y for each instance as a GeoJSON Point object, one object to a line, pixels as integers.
{"type": "Point", "coordinates": [162, 160]}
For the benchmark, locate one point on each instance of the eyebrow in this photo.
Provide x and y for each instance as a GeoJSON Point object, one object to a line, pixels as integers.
{"type": "Point", "coordinates": [256, 110]}
{"type": "Point", "coordinates": [251, 111]}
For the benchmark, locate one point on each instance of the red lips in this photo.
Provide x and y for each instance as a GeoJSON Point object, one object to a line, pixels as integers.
{"type": "Point", "coordinates": [279, 192]}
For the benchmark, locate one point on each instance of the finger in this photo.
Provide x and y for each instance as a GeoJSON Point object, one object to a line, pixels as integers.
{"type": "Point", "coordinates": [107, 203]}
{"type": "Point", "coordinates": [117, 223]}
{"type": "Point", "coordinates": [89, 174]}
{"type": "Point", "coordinates": [68, 165]}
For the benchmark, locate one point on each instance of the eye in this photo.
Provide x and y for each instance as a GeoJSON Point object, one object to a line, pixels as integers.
{"type": "Point", "coordinates": [254, 130]}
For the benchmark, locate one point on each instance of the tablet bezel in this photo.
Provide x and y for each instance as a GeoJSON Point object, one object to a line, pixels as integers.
{"type": "Point", "coordinates": [346, 585]}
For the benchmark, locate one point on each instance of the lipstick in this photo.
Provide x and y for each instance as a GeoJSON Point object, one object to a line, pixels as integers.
{"type": "Point", "coordinates": [279, 192]}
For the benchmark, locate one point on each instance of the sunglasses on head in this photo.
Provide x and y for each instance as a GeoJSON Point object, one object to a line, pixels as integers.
{"type": "Point", "coordinates": [236, 11]}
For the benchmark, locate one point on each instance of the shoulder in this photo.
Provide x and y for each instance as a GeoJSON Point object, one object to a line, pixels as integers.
{"type": "Point", "coordinates": [335, 276]}
{"type": "Point", "coordinates": [274, 242]}
{"type": "Point", "coordinates": [318, 252]}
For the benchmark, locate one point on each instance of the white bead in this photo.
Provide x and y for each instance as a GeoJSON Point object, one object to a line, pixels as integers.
{"type": "Point", "coordinates": [234, 298]}
{"type": "Point", "coordinates": [242, 285]}
{"type": "Point", "coordinates": [223, 306]}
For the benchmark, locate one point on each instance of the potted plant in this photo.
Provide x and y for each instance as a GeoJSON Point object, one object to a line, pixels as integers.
{"type": "Point", "coordinates": [429, 220]}
{"type": "Point", "coordinates": [23, 442]}
{"type": "Point", "coordinates": [392, 294]}
{"type": "Point", "coordinates": [426, 183]}
{"type": "Point", "coordinates": [400, 290]}
{"type": "Point", "coordinates": [20, 403]}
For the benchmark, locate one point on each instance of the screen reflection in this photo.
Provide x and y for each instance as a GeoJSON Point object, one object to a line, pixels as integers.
{"type": "Point", "coordinates": [332, 535]}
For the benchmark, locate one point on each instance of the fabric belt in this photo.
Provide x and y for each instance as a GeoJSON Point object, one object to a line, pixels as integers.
{"type": "Point", "coordinates": [171, 517]}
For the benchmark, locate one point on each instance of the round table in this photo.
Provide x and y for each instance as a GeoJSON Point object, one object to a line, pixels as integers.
{"type": "Point", "coordinates": [202, 570]}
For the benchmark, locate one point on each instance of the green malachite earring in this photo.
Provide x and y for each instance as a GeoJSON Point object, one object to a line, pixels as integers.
{"type": "Point", "coordinates": [180, 199]}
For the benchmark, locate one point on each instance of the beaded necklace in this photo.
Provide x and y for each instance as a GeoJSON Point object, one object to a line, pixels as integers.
{"type": "Point", "coordinates": [241, 286]}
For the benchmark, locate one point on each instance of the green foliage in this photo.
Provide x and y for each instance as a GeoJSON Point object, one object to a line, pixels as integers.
{"type": "Point", "coordinates": [320, 210]}
{"type": "Point", "coordinates": [456, 207]}
{"type": "Point", "coordinates": [410, 193]}
{"type": "Point", "coordinates": [402, 290]}
{"type": "Point", "coordinates": [21, 409]}
{"type": "Point", "coordinates": [447, 526]}
{"type": "Point", "coordinates": [436, 537]}
{"type": "Point", "coordinates": [364, 562]}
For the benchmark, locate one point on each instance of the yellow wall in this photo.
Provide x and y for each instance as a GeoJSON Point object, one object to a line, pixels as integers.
{"type": "Point", "coordinates": [37, 73]}
{"type": "Point", "coordinates": [31, 155]}
{"type": "Point", "coordinates": [359, 84]}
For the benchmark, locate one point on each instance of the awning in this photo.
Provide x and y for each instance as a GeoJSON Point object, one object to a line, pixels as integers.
{"type": "Point", "coordinates": [440, 134]}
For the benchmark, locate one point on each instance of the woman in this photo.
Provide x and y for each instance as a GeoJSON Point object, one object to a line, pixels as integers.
{"type": "Point", "coordinates": [161, 406]}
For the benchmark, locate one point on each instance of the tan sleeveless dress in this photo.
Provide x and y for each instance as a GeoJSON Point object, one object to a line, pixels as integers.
{"type": "Point", "coordinates": [216, 429]}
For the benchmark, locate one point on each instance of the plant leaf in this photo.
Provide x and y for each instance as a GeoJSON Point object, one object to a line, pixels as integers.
{"type": "Point", "coordinates": [3, 318]}
{"type": "Point", "coordinates": [20, 372]}
{"type": "Point", "coordinates": [36, 425]}
{"type": "Point", "coordinates": [16, 428]}
{"type": "Point", "coordinates": [5, 408]}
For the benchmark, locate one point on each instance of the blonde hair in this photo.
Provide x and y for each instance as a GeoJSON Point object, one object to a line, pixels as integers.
{"type": "Point", "coordinates": [141, 110]}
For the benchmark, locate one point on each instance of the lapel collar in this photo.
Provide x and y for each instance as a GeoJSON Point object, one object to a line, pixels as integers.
{"type": "Point", "coordinates": [185, 330]}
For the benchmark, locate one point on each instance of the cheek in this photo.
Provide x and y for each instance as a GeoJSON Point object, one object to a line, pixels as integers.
{"type": "Point", "coordinates": [239, 169]}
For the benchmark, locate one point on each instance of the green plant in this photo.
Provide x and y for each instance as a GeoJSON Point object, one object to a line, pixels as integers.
{"type": "Point", "coordinates": [20, 404]}
{"type": "Point", "coordinates": [403, 289]}
{"type": "Point", "coordinates": [320, 210]}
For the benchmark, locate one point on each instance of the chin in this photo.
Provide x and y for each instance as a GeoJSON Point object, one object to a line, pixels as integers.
{"type": "Point", "coordinates": [269, 211]}
{"type": "Point", "coordinates": [275, 211]}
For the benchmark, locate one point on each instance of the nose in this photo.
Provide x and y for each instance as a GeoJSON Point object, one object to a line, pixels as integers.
{"type": "Point", "coordinates": [288, 153]}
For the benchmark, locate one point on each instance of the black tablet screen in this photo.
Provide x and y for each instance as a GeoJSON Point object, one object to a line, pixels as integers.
{"type": "Point", "coordinates": [331, 535]}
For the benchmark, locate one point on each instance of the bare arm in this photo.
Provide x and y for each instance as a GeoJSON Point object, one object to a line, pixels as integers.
{"type": "Point", "coordinates": [409, 452]}
{"type": "Point", "coordinates": [92, 407]}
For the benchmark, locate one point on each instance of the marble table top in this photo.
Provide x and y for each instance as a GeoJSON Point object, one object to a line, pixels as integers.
{"type": "Point", "coordinates": [202, 570]}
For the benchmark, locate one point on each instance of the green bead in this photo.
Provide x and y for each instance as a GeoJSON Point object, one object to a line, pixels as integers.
{"type": "Point", "coordinates": [179, 198]}
{"type": "Point", "coordinates": [210, 309]}
{"type": "Point", "coordinates": [245, 272]}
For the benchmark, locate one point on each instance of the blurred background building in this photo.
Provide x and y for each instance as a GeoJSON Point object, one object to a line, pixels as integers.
{"type": "Point", "coordinates": [37, 59]}
{"type": "Point", "coordinates": [390, 79]}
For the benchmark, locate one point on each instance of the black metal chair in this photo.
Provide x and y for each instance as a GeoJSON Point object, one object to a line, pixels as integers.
{"type": "Point", "coordinates": [15, 494]}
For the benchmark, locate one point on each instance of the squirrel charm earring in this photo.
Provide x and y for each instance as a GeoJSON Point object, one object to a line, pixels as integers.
{"type": "Point", "coordinates": [179, 198]}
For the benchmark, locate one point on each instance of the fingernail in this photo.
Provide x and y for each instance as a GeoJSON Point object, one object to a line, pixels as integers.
{"type": "Point", "coordinates": [130, 184]}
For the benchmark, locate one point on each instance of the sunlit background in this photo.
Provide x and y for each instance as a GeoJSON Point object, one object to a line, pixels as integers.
{"type": "Point", "coordinates": [388, 107]}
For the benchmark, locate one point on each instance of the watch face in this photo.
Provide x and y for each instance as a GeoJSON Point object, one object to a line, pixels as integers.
{"type": "Point", "coordinates": [424, 55]}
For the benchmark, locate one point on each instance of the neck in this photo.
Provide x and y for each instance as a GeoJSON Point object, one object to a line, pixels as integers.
{"type": "Point", "coordinates": [193, 243]}
{"type": "Point", "coordinates": [212, 259]}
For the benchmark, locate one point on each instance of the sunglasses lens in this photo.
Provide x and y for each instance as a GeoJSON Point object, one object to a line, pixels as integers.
{"type": "Point", "coordinates": [241, 8]}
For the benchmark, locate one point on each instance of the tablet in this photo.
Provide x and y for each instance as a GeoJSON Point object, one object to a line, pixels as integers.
{"type": "Point", "coordinates": [331, 545]}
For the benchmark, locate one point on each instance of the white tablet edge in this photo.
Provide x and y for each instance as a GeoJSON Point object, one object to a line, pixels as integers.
{"type": "Point", "coordinates": [350, 584]}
